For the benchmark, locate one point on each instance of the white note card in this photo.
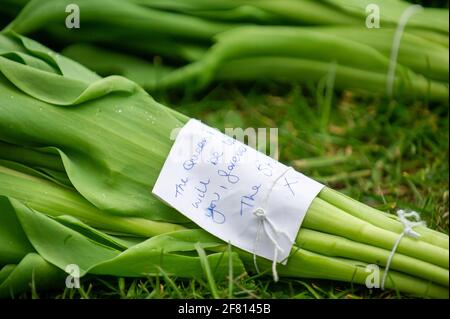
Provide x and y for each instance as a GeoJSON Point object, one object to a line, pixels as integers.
{"type": "Point", "coordinates": [219, 182]}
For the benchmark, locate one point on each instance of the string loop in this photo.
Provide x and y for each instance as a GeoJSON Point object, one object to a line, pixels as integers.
{"type": "Point", "coordinates": [271, 231]}
{"type": "Point", "coordinates": [408, 230]}
{"type": "Point", "coordinates": [410, 11]}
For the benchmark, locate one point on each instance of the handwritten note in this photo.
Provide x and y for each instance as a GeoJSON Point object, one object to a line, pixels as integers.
{"type": "Point", "coordinates": [218, 182]}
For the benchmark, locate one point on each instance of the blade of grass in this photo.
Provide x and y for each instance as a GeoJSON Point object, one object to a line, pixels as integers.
{"type": "Point", "coordinates": [230, 272]}
{"type": "Point", "coordinates": [207, 270]}
{"type": "Point", "coordinates": [171, 283]}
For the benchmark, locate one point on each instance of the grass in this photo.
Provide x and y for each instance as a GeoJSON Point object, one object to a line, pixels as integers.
{"type": "Point", "coordinates": [388, 154]}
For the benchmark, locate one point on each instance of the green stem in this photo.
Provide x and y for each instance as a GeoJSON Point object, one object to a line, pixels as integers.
{"type": "Point", "coordinates": [120, 14]}
{"type": "Point", "coordinates": [305, 264]}
{"type": "Point", "coordinates": [55, 200]}
{"type": "Point", "coordinates": [30, 157]}
{"type": "Point", "coordinates": [327, 218]}
{"type": "Point", "coordinates": [375, 217]}
{"type": "Point", "coordinates": [336, 246]}
{"type": "Point", "coordinates": [307, 12]}
{"type": "Point", "coordinates": [420, 55]}
{"type": "Point", "coordinates": [302, 54]}
{"type": "Point", "coordinates": [307, 71]}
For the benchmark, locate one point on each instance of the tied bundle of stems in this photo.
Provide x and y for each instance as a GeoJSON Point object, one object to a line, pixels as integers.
{"type": "Point", "coordinates": [309, 54]}
{"type": "Point", "coordinates": [79, 155]}
{"type": "Point", "coordinates": [251, 40]}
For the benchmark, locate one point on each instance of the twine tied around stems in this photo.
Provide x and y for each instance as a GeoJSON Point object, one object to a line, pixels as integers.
{"type": "Point", "coordinates": [408, 230]}
{"type": "Point", "coordinates": [270, 230]}
{"type": "Point", "coordinates": [410, 11]}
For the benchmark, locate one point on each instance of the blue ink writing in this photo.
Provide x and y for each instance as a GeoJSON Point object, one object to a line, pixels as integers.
{"type": "Point", "coordinates": [215, 157]}
{"type": "Point", "coordinates": [248, 200]}
{"type": "Point", "coordinates": [212, 211]}
{"type": "Point", "coordinates": [190, 163]}
{"type": "Point", "coordinates": [265, 168]}
{"type": "Point", "coordinates": [229, 141]}
{"type": "Point", "coordinates": [232, 178]}
{"type": "Point", "coordinates": [201, 192]}
{"type": "Point", "coordinates": [289, 185]}
{"type": "Point", "coordinates": [179, 188]}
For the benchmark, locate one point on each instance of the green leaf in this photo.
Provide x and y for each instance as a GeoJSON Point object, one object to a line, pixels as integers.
{"type": "Point", "coordinates": [14, 244]}
{"type": "Point", "coordinates": [58, 244]}
{"type": "Point", "coordinates": [17, 279]}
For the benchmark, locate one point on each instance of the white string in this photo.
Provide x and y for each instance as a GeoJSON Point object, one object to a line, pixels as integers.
{"type": "Point", "coordinates": [410, 11]}
{"type": "Point", "coordinates": [408, 230]}
{"type": "Point", "coordinates": [270, 229]}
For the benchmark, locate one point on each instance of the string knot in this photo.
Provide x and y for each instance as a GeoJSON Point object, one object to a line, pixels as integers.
{"type": "Point", "coordinates": [260, 213]}
{"type": "Point", "coordinates": [408, 224]}
{"type": "Point", "coordinates": [270, 229]}
{"type": "Point", "coordinates": [408, 13]}
{"type": "Point", "coordinates": [273, 233]}
{"type": "Point", "coordinates": [408, 230]}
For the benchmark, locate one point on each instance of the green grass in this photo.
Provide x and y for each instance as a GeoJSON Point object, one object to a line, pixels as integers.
{"type": "Point", "coordinates": [390, 155]}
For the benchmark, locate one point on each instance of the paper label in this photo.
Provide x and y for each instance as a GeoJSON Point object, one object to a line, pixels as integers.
{"type": "Point", "coordinates": [218, 183]}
